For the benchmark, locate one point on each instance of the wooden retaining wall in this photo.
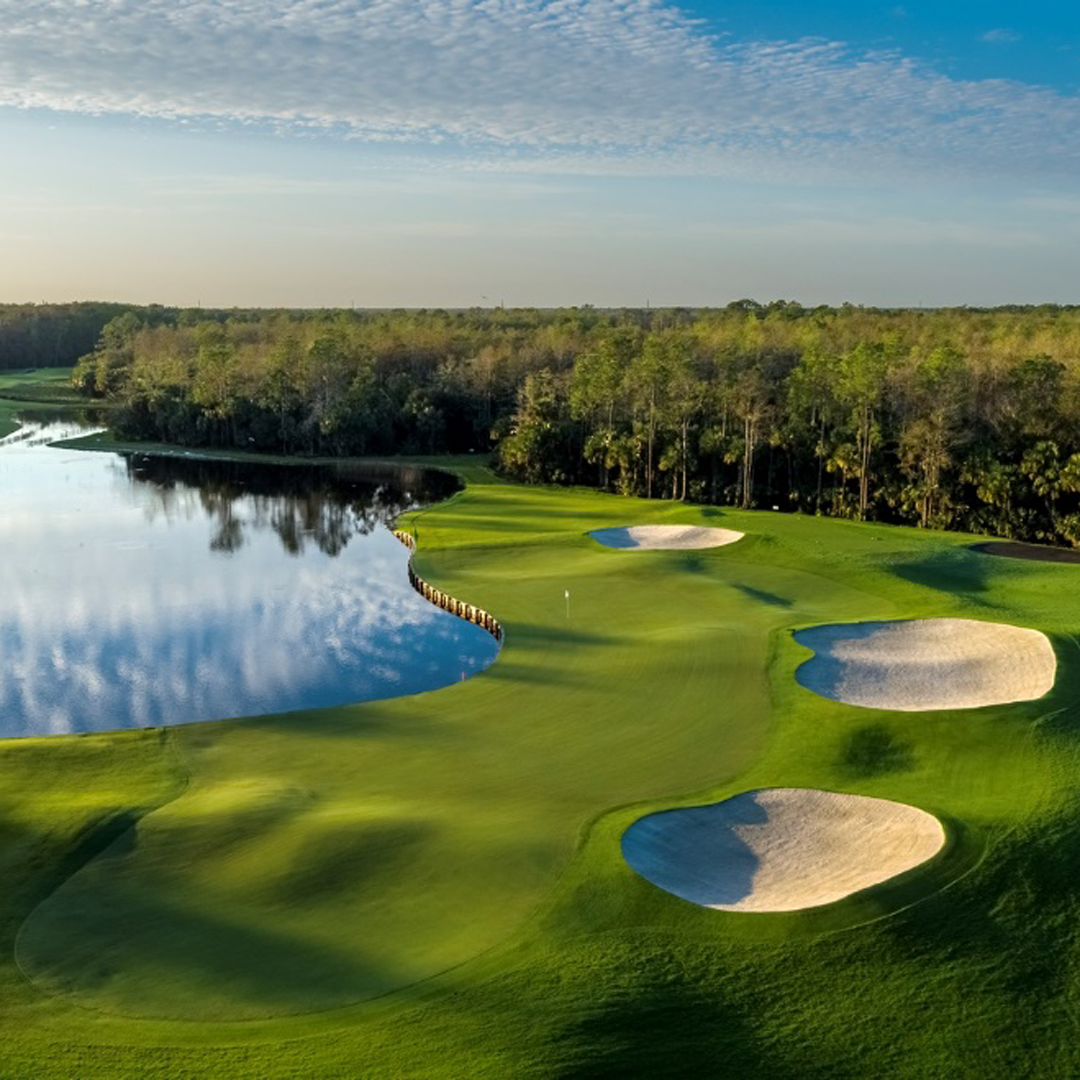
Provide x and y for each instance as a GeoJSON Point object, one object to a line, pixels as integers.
{"type": "Point", "coordinates": [448, 603]}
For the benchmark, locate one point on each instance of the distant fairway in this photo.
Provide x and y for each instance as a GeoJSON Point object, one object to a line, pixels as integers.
{"type": "Point", "coordinates": [34, 391]}
{"type": "Point", "coordinates": [434, 885]}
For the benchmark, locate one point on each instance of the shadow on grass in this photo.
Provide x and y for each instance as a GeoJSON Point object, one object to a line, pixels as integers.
{"type": "Point", "coordinates": [151, 957]}
{"type": "Point", "coordinates": [692, 563]}
{"type": "Point", "coordinates": [544, 641]}
{"type": "Point", "coordinates": [1057, 713]}
{"type": "Point", "coordinates": [533, 674]}
{"type": "Point", "coordinates": [951, 570]}
{"type": "Point", "coordinates": [343, 861]}
{"type": "Point", "coordinates": [133, 945]}
{"type": "Point", "coordinates": [874, 750]}
{"type": "Point", "coordinates": [55, 864]}
{"type": "Point", "coordinates": [1060, 709]}
{"type": "Point", "coordinates": [356, 721]}
{"type": "Point", "coordinates": [1015, 918]}
{"type": "Point", "coordinates": [656, 1013]}
{"type": "Point", "coordinates": [764, 597]}
{"type": "Point", "coordinates": [557, 637]}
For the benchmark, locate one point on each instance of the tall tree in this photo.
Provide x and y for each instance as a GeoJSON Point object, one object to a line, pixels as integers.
{"type": "Point", "coordinates": [596, 387]}
{"type": "Point", "coordinates": [647, 387]}
{"type": "Point", "coordinates": [863, 381]}
{"type": "Point", "coordinates": [750, 396]}
{"type": "Point", "coordinates": [533, 449]}
{"type": "Point", "coordinates": [684, 402]}
{"type": "Point", "coordinates": [933, 398]}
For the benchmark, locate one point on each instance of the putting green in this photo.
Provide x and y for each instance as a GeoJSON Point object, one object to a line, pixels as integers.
{"type": "Point", "coordinates": [434, 885]}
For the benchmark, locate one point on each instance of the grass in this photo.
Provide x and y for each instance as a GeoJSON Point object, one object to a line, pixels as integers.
{"type": "Point", "coordinates": [37, 390]}
{"type": "Point", "coordinates": [432, 886]}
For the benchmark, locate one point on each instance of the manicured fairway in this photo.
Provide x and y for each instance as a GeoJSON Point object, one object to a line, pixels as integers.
{"type": "Point", "coordinates": [32, 391]}
{"type": "Point", "coordinates": [434, 885]}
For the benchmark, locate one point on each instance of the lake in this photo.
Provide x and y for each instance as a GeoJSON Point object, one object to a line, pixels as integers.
{"type": "Point", "coordinates": [139, 590]}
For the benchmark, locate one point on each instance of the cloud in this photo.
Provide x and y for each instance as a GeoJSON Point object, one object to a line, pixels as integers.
{"type": "Point", "coordinates": [1001, 37]}
{"type": "Point", "coordinates": [1053, 204]}
{"type": "Point", "coordinates": [634, 84]}
{"type": "Point", "coordinates": [893, 233]}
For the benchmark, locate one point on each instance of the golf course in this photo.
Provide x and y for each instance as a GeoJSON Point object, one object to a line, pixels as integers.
{"type": "Point", "coordinates": [456, 883]}
{"type": "Point", "coordinates": [28, 393]}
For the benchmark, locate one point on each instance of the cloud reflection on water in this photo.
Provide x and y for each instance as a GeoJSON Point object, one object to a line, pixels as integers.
{"type": "Point", "coordinates": [122, 605]}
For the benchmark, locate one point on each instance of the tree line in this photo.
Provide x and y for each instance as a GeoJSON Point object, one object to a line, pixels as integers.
{"type": "Point", "coordinates": [954, 418]}
{"type": "Point", "coordinates": [56, 335]}
{"type": "Point", "coordinates": [51, 335]}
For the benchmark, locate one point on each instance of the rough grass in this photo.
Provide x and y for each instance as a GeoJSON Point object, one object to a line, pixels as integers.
{"type": "Point", "coordinates": [433, 885]}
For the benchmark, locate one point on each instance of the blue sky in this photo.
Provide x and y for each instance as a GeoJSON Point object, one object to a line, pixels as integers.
{"type": "Point", "coordinates": [456, 152]}
{"type": "Point", "coordinates": [1036, 43]}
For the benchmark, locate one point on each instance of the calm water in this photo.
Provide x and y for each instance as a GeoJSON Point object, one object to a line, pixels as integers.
{"type": "Point", "coordinates": [137, 590]}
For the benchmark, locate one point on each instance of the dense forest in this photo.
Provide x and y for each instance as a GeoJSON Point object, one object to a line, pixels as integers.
{"type": "Point", "coordinates": [57, 335]}
{"type": "Point", "coordinates": [51, 335]}
{"type": "Point", "coordinates": [953, 418]}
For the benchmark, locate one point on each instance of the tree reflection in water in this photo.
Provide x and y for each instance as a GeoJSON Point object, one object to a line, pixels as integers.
{"type": "Point", "coordinates": [325, 505]}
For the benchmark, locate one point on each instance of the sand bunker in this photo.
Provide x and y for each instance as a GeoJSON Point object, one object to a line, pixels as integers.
{"type": "Point", "coordinates": [780, 849]}
{"type": "Point", "coordinates": [665, 537]}
{"type": "Point", "coordinates": [923, 664]}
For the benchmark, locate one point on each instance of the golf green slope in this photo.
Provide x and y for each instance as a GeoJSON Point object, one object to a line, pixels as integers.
{"type": "Point", "coordinates": [434, 885]}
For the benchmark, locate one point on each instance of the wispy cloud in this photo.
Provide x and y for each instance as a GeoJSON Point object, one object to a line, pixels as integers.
{"type": "Point", "coordinates": [1001, 36]}
{"type": "Point", "coordinates": [891, 233]}
{"type": "Point", "coordinates": [1053, 204]}
{"type": "Point", "coordinates": [634, 84]}
{"type": "Point", "coordinates": [410, 176]}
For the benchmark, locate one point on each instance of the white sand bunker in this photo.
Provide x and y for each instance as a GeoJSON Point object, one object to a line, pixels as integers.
{"type": "Point", "coordinates": [780, 849]}
{"type": "Point", "coordinates": [665, 537]}
{"type": "Point", "coordinates": [922, 664]}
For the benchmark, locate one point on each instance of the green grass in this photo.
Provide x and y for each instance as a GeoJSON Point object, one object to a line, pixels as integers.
{"type": "Point", "coordinates": [26, 392]}
{"type": "Point", "coordinates": [433, 886]}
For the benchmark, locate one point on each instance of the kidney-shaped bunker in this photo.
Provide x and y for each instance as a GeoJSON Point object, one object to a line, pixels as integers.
{"type": "Point", "coordinates": [921, 664]}
{"type": "Point", "coordinates": [780, 849]}
{"type": "Point", "coordinates": [665, 537]}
